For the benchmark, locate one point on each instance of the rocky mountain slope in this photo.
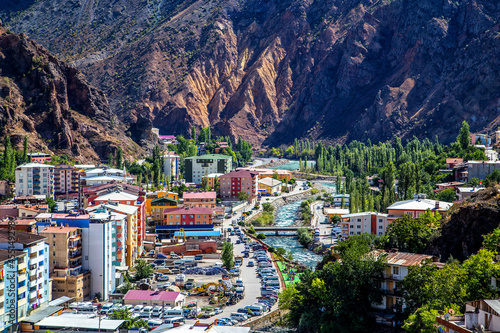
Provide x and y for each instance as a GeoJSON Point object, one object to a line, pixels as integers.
{"type": "Point", "coordinates": [273, 70]}
{"type": "Point", "coordinates": [462, 233]}
{"type": "Point", "coordinates": [54, 105]}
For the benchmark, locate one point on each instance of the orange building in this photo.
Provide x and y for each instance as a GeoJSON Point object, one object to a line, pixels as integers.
{"type": "Point", "coordinates": [200, 199]}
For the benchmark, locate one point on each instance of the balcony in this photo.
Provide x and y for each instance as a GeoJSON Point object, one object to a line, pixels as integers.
{"type": "Point", "coordinates": [33, 255]}
{"type": "Point", "coordinates": [394, 292]}
{"type": "Point", "coordinates": [75, 237]}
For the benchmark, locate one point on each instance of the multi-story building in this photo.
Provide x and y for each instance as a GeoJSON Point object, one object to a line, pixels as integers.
{"type": "Point", "coordinates": [39, 157]}
{"type": "Point", "coordinates": [238, 181]}
{"type": "Point", "coordinates": [212, 179]}
{"type": "Point", "coordinates": [365, 222]}
{"type": "Point", "coordinates": [104, 175]}
{"type": "Point", "coordinates": [480, 169]}
{"type": "Point", "coordinates": [97, 248]}
{"type": "Point", "coordinates": [200, 199]}
{"type": "Point", "coordinates": [283, 175]}
{"type": "Point", "coordinates": [171, 165]}
{"type": "Point", "coordinates": [6, 188]}
{"type": "Point", "coordinates": [126, 198]}
{"type": "Point", "coordinates": [197, 167]}
{"type": "Point", "coordinates": [158, 205]}
{"type": "Point", "coordinates": [337, 200]}
{"type": "Point", "coordinates": [37, 284]}
{"type": "Point", "coordinates": [35, 179]}
{"type": "Point", "coordinates": [13, 288]}
{"type": "Point", "coordinates": [397, 264]}
{"type": "Point", "coordinates": [416, 207]}
{"type": "Point", "coordinates": [65, 253]}
{"type": "Point", "coordinates": [66, 180]}
{"type": "Point", "coordinates": [153, 209]}
{"type": "Point", "coordinates": [124, 219]}
{"type": "Point", "coordinates": [193, 219]}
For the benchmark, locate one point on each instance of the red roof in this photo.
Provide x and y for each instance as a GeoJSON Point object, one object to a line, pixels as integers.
{"type": "Point", "coordinates": [199, 195]}
{"type": "Point", "coordinates": [240, 174]}
{"type": "Point", "coordinates": [454, 160]}
{"type": "Point", "coordinates": [151, 295]}
{"type": "Point", "coordinates": [193, 210]}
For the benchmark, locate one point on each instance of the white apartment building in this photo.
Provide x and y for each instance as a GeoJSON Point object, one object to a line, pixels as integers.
{"type": "Point", "coordinates": [35, 179]}
{"type": "Point", "coordinates": [365, 222]}
{"type": "Point", "coordinates": [37, 284]}
{"type": "Point", "coordinates": [98, 254]}
{"type": "Point", "coordinates": [197, 167]}
{"type": "Point", "coordinates": [171, 165]}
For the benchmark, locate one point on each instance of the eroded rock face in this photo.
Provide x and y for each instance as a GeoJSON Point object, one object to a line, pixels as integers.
{"type": "Point", "coordinates": [462, 234]}
{"type": "Point", "coordinates": [271, 71]}
{"type": "Point", "coordinates": [52, 104]}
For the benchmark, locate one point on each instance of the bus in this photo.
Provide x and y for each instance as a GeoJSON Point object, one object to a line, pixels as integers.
{"type": "Point", "coordinates": [171, 321]}
{"type": "Point", "coordinates": [172, 313]}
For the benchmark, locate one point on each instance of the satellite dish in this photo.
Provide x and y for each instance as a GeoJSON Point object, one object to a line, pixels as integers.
{"type": "Point", "coordinates": [451, 311]}
{"type": "Point", "coordinates": [447, 317]}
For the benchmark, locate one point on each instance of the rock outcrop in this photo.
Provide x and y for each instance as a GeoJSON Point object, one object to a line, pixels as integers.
{"type": "Point", "coordinates": [462, 233]}
{"type": "Point", "coordinates": [53, 104]}
{"type": "Point", "coordinates": [274, 70]}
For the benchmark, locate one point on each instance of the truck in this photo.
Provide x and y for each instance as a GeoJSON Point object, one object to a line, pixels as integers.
{"type": "Point", "coordinates": [189, 283]}
{"type": "Point", "coordinates": [240, 291]}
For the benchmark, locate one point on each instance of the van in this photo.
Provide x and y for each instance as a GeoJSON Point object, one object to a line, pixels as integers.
{"type": "Point", "coordinates": [265, 264]}
{"type": "Point", "coordinates": [157, 311]}
{"type": "Point", "coordinates": [106, 308]}
{"type": "Point", "coordinates": [256, 310]}
{"type": "Point", "coordinates": [198, 257]}
{"type": "Point", "coordinates": [238, 316]}
{"type": "Point", "coordinates": [128, 307]}
{"type": "Point", "coordinates": [171, 321]}
{"type": "Point", "coordinates": [138, 308]}
{"type": "Point", "coordinates": [271, 278]}
{"type": "Point", "coordinates": [146, 312]}
{"type": "Point", "coordinates": [239, 282]}
{"type": "Point", "coordinates": [175, 312]}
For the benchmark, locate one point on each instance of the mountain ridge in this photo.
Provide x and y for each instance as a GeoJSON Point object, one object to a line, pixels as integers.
{"type": "Point", "coordinates": [271, 71]}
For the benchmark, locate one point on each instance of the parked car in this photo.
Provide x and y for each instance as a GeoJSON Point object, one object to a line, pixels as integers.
{"type": "Point", "coordinates": [218, 311]}
{"type": "Point", "coordinates": [162, 278]}
{"type": "Point", "coordinates": [250, 264]}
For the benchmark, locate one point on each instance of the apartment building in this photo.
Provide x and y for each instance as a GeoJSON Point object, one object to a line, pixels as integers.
{"type": "Point", "coordinates": [104, 175]}
{"type": "Point", "coordinates": [13, 288]}
{"type": "Point", "coordinates": [97, 248]}
{"type": "Point", "coordinates": [193, 219]}
{"type": "Point", "coordinates": [158, 205]}
{"type": "Point", "coordinates": [65, 253]}
{"type": "Point", "coordinates": [66, 180]}
{"type": "Point", "coordinates": [158, 194]}
{"type": "Point", "coordinates": [35, 179]}
{"type": "Point", "coordinates": [238, 181]}
{"type": "Point", "coordinates": [6, 188]}
{"type": "Point", "coordinates": [124, 220]}
{"type": "Point", "coordinates": [416, 207]}
{"type": "Point", "coordinates": [171, 165]}
{"type": "Point", "coordinates": [270, 186]}
{"type": "Point", "coordinates": [37, 284]}
{"type": "Point", "coordinates": [283, 175]}
{"type": "Point", "coordinates": [365, 222]}
{"type": "Point", "coordinates": [480, 169]}
{"type": "Point", "coordinates": [126, 198]}
{"type": "Point", "coordinates": [197, 167]}
{"type": "Point", "coordinates": [212, 179]}
{"type": "Point", "coordinates": [39, 157]}
{"type": "Point", "coordinates": [396, 270]}
{"type": "Point", "coordinates": [200, 199]}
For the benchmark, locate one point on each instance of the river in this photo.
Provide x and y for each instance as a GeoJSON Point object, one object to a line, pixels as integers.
{"type": "Point", "coordinates": [293, 165]}
{"type": "Point", "coordinates": [286, 216]}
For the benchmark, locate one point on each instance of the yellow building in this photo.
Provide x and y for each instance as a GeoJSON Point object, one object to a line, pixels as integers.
{"type": "Point", "coordinates": [269, 185]}
{"type": "Point", "coordinates": [158, 194]}
{"type": "Point", "coordinates": [212, 179]}
{"type": "Point", "coordinates": [158, 205]}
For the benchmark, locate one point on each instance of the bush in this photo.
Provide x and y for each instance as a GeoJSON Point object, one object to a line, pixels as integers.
{"type": "Point", "coordinates": [261, 236]}
{"type": "Point", "coordinates": [268, 207]}
{"type": "Point", "coordinates": [264, 219]}
{"type": "Point", "coordinates": [251, 231]}
{"type": "Point", "coordinates": [314, 191]}
{"type": "Point", "coordinates": [270, 249]}
{"type": "Point", "coordinates": [305, 236]}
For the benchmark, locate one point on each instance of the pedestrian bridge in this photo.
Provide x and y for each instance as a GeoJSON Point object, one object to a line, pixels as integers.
{"type": "Point", "coordinates": [282, 230]}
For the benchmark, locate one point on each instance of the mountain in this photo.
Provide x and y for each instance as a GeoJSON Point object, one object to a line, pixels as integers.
{"type": "Point", "coordinates": [52, 103]}
{"type": "Point", "coordinates": [274, 70]}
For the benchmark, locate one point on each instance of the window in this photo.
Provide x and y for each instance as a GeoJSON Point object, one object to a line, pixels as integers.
{"type": "Point", "coordinates": [53, 236]}
{"type": "Point", "coordinates": [170, 216]}
{"type": "Point", "coordinates": [351, 233]}
{"type": "Point", "coordinates": [198, 216]}
{"type": "Point", "coordinates": [380, 233]}
{"type": "Point", "coordinates": [359, 220]}
{"type": "Point", "coordinates": [53, 244]}
{"type": "Point", "coordinates": [395, 270]}
{"type": "Point", "coordinates": [351, 226]}
{"type": "Point", "coordinates": [359, 233]}
{"type": "Point", "coordinates": [358, 226]}
{"type": "Point", "coordinates": [381, 227]}
{"type": "Point", "coordinates": [53, 262]}
{"type": "Point", "coordinates": [204, 216]}
{"type": "Point", "coordinates": [53, 254]}
{"type": "Point", "coordinates": [380, 220]}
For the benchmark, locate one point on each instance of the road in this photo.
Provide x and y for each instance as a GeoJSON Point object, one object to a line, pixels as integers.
{"type": "Point", "coordinates": [325, 228]}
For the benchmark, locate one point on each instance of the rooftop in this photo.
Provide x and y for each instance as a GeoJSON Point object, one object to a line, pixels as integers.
{"type": "Point", "coordinates": [469, 189]}
{"type": "Point", "coordinates": [191, 210]}
{"type": "Point", "coordinates": [151, 295]}
{"type": "Point", "coordinates": [209, 157]}
{"type": "Point", "coordinates": [240, 173]}
{"type": "Point", "coordinates": [270, 182]}
{"type": "Point", "coordinates": [80, 321]}
{"type": "Point", "coordinates": [116, 196]}
{"type": "Point", "coordinates": [19, 221]}
{"type": "Point", "coordinates": [6, 254]}
{"type": "Point", "coordinates": [127, 209]}
{"type": "Point", "coordinates": [58, 230]}
{"type": "Point", "coordinates": [71, 216]}
{"type": "Point", "coordinates": [420, 204]}
{"type": "Point", "coordinates": [207, 233]}
{"type": "Point", "coordinates": [454, 160]}
{"type": "Point", "coordinates": [338, 211]}
{"type": "Point", "coordinates": [34, 165]}
{"type": "Point", "coordinates": [163, 199]}
{"type": "Point", "coordinates": [42, 312]}
{"type": "Point", "coordinates": [21, 237]}
{"type": "Point", "coordinates": [403, 258]}
{"type": "Point", "coordinates": [199, 195]}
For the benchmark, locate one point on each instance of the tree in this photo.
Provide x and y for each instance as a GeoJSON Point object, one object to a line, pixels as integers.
{"type": "Point", "coordinates": [25, 150]}
{"type": "Point", "coordinates": [111, 160]}
{"type": "Point", "coordinates": [474, 182]}
{"type": "Point", "coordinates": [193, 133]}
{"type": "Point", "coordinates": [448, 195]}
{"type": "Point", "coordinates": [51, 204]}
{"type": "Point", "coordinates": [463, 138]}
{"type": "Point", "coordinates": [123, 314]}
{"type": "Point", "coordinates": [127, 285]}
{"type": "Point", "coordinates": [243, 196]}
{"type": "Point", "coordinates": [119, 158]}
{"type": "Point", "coordinates": [142, 269]}
{"type": "Point", "coordinates": [227, 255]}
{"type": "Point", "coordinates": [261, 236]}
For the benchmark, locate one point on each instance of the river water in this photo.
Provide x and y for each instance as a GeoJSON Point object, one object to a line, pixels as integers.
{"type": "Point", "coordinates": [293, 165]}
{"type": "Point", "coordinates": [286, 216]}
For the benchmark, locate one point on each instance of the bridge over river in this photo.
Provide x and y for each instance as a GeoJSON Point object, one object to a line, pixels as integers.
{"type": "Point", "coordinates": [278, 229]}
